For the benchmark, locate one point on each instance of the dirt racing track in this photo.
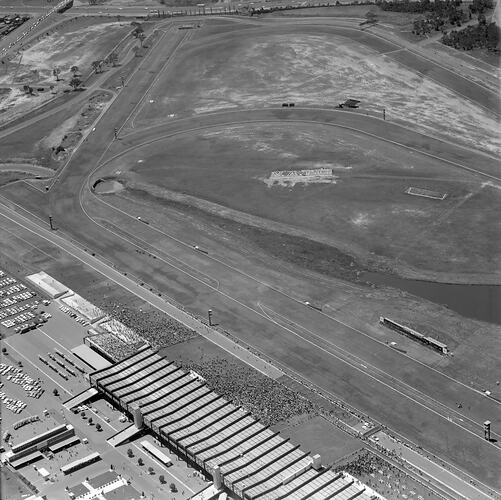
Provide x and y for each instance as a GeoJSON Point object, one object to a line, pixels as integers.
{"type": "Point", "coordinates": [342, 360]}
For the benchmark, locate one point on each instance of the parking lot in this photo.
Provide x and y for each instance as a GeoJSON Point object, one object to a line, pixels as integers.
{"type": "Point", "coordinates": [42, 358]}
{"type": "Point", "coordinates": [21, 308]}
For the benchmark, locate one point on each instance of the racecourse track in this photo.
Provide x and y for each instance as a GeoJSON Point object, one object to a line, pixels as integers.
{"type": "Point", "coordinates": [340, 359]}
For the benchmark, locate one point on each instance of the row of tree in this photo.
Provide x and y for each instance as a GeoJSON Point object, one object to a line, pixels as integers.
{"type": "Point", "coordinates": [481, 36]}
{"type": "Point", "coordinates": [439, 7]}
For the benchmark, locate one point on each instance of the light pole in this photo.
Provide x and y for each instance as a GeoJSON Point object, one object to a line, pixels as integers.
{"type": "Point", "coordinates": [209, 315]}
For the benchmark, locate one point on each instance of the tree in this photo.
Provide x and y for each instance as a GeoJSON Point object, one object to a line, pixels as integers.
{"type": "Point", "coordinates": [161, 478]}
{"type": "Point", "coordinates": [75, 82]}
{"type": "Point", "coordinates": [83, 414]}
{"type": "Point", "coordinates": [98, 428]}
{"type": "Point", "coordinates": [172, 487]}
{"type": "Point", "coordinates": [55, 392]}
{"type": "Point", "coordinates": [97, 65]}
{"type": "Point", "coordinates": [91, 421]}
{"type": "Point", "coordinates": [140, 462]}
{"type": "Point", "coordinates": [4, 349]}
{"type": "Point", "coordinates": [151, 470]}
{"type": "Point", "coordinates": [139, 29]}
{"type": "Point", "coordinates": [74, 70]}
{"type": "Point", "coordinates": [113, 58]}
{"type": "Point", "coordinates": [56, 72]}
{"type": "Point", "coordinates": [130, 454]}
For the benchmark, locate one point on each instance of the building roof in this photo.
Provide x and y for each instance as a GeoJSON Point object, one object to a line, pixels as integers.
{"type": "Point", "coordinates": [43, 472]}
{"type": "Point", "coordinates": [103, 479]}
{"type": "Point", "coordinates": [91, 357]}
{"type": "Point", "coordinates": [91, 312]}
{"type": "Point", "coordinates": [47, 284]}
{"type": "Point", "coordinates": [26, 460]}
{"type": "Point", "coordinates": [78, 490]}
{"type": "Point", "coordinates": [126, 492]}
{"type": "Point", "coordinates": [64, 444]}
{"type": "Point", "coordinates": [254, 460]}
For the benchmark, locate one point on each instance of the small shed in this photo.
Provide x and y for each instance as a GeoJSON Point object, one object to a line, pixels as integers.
{"type": "Point", "coordinates": [350, 103]}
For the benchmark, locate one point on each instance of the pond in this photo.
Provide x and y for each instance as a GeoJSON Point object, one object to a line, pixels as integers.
{"type": "Point", "coordinates": [481, 302]}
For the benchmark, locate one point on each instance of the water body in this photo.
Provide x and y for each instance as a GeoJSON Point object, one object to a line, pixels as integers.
{"type": "Point", "coordinates": [481, 302]}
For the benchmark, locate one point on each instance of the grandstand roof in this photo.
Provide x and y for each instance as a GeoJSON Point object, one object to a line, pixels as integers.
{"type": "Point", "coordinates": [254, 461]}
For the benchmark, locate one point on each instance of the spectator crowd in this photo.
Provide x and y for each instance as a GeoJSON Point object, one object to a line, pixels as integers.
{"type": "Point", "coordinates": [266, 399]}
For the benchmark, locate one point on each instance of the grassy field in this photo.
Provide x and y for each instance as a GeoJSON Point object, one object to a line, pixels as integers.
{"type": "Point", "coordinates": [363, 210]}
{"type": "Point", "coordinates": [313, 67]}
{"type": "Point", "coordinates": [320, 436]}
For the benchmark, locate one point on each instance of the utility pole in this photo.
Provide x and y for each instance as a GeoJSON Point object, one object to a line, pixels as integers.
{"type": "Point", "coordinates": [115, 131]}
{"type": "Point", "coordinates": [50, 222]}
{"type": "Point", "coordinates": [384, 114]}
{"type": "Point", "coordinates": [209, 315]}
{"type": "Point", "coordinates": [123, 80]}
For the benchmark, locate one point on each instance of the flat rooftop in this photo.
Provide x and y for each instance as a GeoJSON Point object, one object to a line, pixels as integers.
{"type": "Point", "coordinates": [91, 357]}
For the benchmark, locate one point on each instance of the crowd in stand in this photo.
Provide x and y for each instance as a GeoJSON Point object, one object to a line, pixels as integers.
{"type": "Point", "coordinates": [362, 464]}
{"type": "Point", "coordinates": [266, 399]}
{"type": "Point", "coordinates": [112, 346]}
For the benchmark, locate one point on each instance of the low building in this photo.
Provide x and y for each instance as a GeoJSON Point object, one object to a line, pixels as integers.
{"type": "Point", "coordinates": [47, 284]}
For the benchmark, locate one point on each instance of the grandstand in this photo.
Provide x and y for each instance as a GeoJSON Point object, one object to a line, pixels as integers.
{"type": "Point", "coordinates": [249, 459]}
{"type": "Point", "coordinates": [413, 334]}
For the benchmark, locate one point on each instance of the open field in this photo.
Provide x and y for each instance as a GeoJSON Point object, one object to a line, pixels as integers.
{"type": "Point", "coordinates": [263, 67]}
{"type": "Point", "coordinates": [362, 209]}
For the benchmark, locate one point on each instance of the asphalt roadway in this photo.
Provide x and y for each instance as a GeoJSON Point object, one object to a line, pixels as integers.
{"type": "Point", "coordinates": [277, 324]}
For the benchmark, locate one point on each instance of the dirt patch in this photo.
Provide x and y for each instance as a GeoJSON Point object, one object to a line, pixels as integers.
{"type": "Point", "coordinates": [77, 42]}
{"type": "Point", "coordinates": [266, 69]}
